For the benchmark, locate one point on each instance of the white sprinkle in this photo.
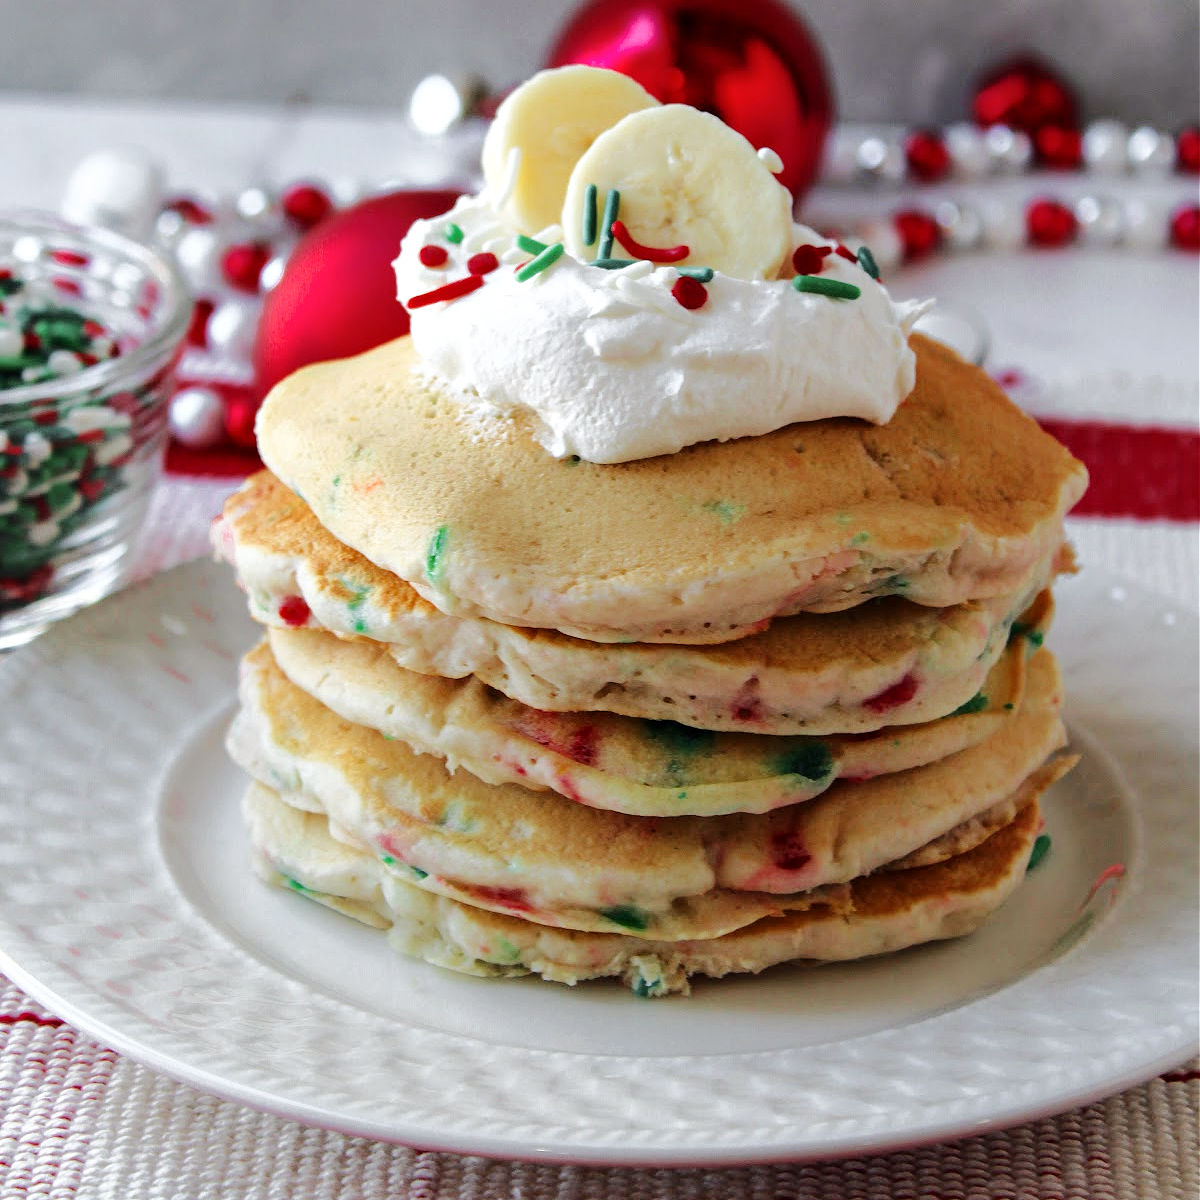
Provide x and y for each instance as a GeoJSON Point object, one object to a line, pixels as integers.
{"type": "Point", "coordinates": [12, 341]}
{"type": "Point", "coordinates": [64, 362]}
{"type": "Point", "coordinates": [37, 448]}
{"type": "Point", "coordinates": [42, 533]}
{"type": "Point", "coordinates": [477, 239]}
{"type": "Point", "coordinates": [94, 416]}
{"type": "Point", "coordinates": [111, 450]}
{"type": "Point", "coordinates": [770, 160]}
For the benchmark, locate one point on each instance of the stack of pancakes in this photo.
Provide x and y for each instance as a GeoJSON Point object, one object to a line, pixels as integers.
{"type": "Point", "coordinates": [780, 698]}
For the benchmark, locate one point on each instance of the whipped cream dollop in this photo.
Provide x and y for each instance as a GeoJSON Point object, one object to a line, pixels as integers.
{"type": "Point", "coordinates": [612, 367]}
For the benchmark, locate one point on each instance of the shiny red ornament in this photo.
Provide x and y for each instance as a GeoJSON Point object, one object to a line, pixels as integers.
{"type": "Point", "coordinates": [1185, 228]}
{"type": "Point", "coordinates": [1049, 223]}
{"type": "Point", "coordinates": [1187, 150]}
{"type": "Point", "coordinates": [337, 294]}
{"type": "Point", "coordinates": [926, 155]}
{"type": "Point", "coordinates": [1025, 93]}
{"type": "Point", "coordinates": [919, 233]}
{"type": "Point", "coordinates": [242, 264]}
{"type": "Point", "coordinates": [305, 205]}
{"type": "Point", "coordinates": [241, 408]}
{"type": "Point", "coordinates": [1059, 148]}
{"type": "Point", "coordinates": [756, 66]}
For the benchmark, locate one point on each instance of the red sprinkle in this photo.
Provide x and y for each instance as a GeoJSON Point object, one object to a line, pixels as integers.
{"type": "Point", "coordinates": [651, 253]}
{"type": "Point", "coordinates": [689, 292]}
{"type": "Point", "coordinates": [482, 263]}
{"type": "Point", "coordinates": [808, 260]}
{"type": "Point", "coordinates": [449, 291]}
{"type": "Point", "coordinates": [293, 611]}
{"type": "Point", "coordinates": [91, 489]}
{"type": "Point", "coordinates": [747, 705]}
{"type": "Point", "coordinates": [190, 210]}
{"type": "Point", "coordinates": [847, 253]}
{"type": "Point", "coordinates": [788, 851]}
{"type": "Point", "coordinates": [45, 416]}
{"type": "Point", "coordinates": [433, 256]}
{"type": "Point", "coordinates": [899, 693]}
{"type": "Point", "coordinates": [513, 898]}
{"type": "Point", "coordinates": [69, 258]}
{"type": "Point", "coordinates": [582, 746]}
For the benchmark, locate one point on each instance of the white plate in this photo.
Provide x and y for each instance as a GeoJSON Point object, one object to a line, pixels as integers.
{"type": "Point", "coordinates": [126, 905]}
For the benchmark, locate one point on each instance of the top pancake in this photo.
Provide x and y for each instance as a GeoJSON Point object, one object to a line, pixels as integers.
{"type": "Point", "coordinates": [959, 496]}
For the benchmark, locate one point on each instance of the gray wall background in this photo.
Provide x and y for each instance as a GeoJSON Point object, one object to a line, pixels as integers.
{"type": "Point", "coordinates": [892, 60]}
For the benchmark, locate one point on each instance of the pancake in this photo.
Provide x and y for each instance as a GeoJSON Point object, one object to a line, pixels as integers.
{"type": "Point", "coordinates": [959, 496]}
{"type": "Point", "coordinates": [560, 862]}
{"type": "Point", "coordinates": [885, 912]}
{"type": "Point", "coordinates": [885, 662]}
{"type": "Point", "coordinates": [645, 768]}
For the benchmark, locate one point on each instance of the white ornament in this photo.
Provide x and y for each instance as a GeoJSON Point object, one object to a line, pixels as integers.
{"type": "Point", "coordinates": [1105, 147]}
{"type": "Point", "coordinates": [232, 326]}
{"type": "Point", "coordinates": [1101, 221]}
{"type": "Point", "coordinates": [1151, 152]}
{"type": "Point", "coordinates": [1010, 149]}
{"type": "Point", "coordinates": [197, 417]}
{"type": "Point", "coordinates": [198, 253]}
{"type": "Point", "coordinates": [968, 150]}
{"type": "Point", "coordinates": [119, 189]}
{"type": "Point", "coordinates": [1146, 224]}
{"type": "Point", "coordinates": [881, 158]}
{"type": "Point", "coordinates": [1003, 225]}
{"type": "Point", "coordinates": [961, 225]}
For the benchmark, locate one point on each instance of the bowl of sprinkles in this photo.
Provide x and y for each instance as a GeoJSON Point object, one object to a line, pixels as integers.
{"type": "Point", "coordinates": [91, 324]}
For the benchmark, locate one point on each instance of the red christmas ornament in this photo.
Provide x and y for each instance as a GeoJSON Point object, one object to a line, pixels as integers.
{"type": "Point", "coordinates": [1049, 223]}
{"type": "Point", "coordinates": [1185, 227]}
{"type": "Point", "coordinates": [757, 67]}
{"type": "Point", "coordinates": [241, 407]}
{"type": "Point", "coordinates": [1187, 150]}
{"type": "Point", "coordinates": [927, 156]}
{"type": "Point", "coordinates": [337, 294]}
{"type": "Point", "coordinates": [1058, 148]}
{"type": "Point", "coordinates": [919, 233]}
{"type": "Point", "coordinates": [1025, 93]}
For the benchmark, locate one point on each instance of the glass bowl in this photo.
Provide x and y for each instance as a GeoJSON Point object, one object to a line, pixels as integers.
{"type": "Point", "coordinates": [80, 453]}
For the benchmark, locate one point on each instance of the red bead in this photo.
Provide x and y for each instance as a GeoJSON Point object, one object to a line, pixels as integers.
{"type": "Point", "coordinates": [1185, 227]}
{"type": "Point", "coordinates": [808, 260]}
{"type": "Point", "coordinates": [482, 263]}
{"type": "Point", "coordinates": [689, 292]}
{"type": "Point", "coordinates": [1049, 223]}
{"type": "Point", "coordinates": [927, 156]}
{"type": "Point", "coordinates": [240, 411]}
{"type": "Point", "coordinates": [242, 264]}
{"type": "Point", "coordinates": [919, 233]}
{"type": "Point", "coordinates": [1025, 93]}
{"type": "Point", "coordinates": [1058, 147]}
{"type": "Point", "coordinates": [1187, 150]}
{"type": "Point", "coordinates": [433, 256]}
{"type": "Point", "coordinates": [294, 611]}
{"type": "Point", "coordinates": [305, 205]}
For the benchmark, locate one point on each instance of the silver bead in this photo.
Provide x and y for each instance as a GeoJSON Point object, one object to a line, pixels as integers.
{"type": "Point", "coordinates": [961, 225]}
{"type": "Point", "coordinates": [1101, 221]}
{"type": "Point", "coordinates": [253, 204]}
{"type": "Point", "coordinates": [1003, 224]}
{"type": "Point", "coordinates": [968, 150]}
{"type": "Point", "coordinates": [119, 189]}
{"type": "Point", "coordinates": [272, 273]}
{"type": "Point", "coordinates": [1151, 152]}
{"type": "Point", "coordinates": [1146, 223]}
{"type": "Point", "coordinates": [440, 102]}
{"type": "Point", "coordinates": [1010, 149]}
{"type": "Point", "coordinates": [196, 417]}
{"type": "Point", "coordinates": [232, 326]}
{"type": "Point", "coordinates": [881, 158]}
{"type": "Point", "coordinates": [198, 253]}
{"type": "Point", "coordinates": [1104, 147]}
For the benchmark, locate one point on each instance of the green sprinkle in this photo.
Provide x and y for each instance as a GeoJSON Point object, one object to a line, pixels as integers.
{"type": "Point", "coordinates": [977, 703]}
{"type": "Point", "coordinates": [536, 266]}
{"type": "Point", "coordinates": [859, 538]}
{"type": "Point", "coordinates": [434, 557]}
{"type": "Point", "coordinates": [388, 859]}
{"type": "Point", "coordinates": [530, 245]}
{"type": "Point", "coordinates": [418, 873]}
{"type": "Point", "coordinates": [506, 950]}
{"type": "Point", "coordinates": [1041, 847]}
{"type": "Point", "coordinates": [589, 215]}
{"type": "Point", "coordinates": [454, 233]}
{"type": "Point", "coordinates": [1034, 635]}
{"type": "Point", "coordinates": [1009, 707]}
{"type": "Point", "coordinates": [700, 274]}
{"type": "Point", "coordinates": [726, 511]}
{"type": "Point", "coordinates": [612, 206]}
{"type": "Point", "coordinates": [625, 915]}
{"type": "Point", "coordinates": [811, 760]}
{"type": "Point", "coordinates": [297, 886]}
{"type": "Point", "coordinates": [360, 626]}
{"type": "Point", "coordinates": [337, 479]}
{"type": "Point", "coordinates": [867, 260]}
{"type": "Point", "coordinates": [612, 264]}
{"type": "Point", "coordinates": [834, 288]}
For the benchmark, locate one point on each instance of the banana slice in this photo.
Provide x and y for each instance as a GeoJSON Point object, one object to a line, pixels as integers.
{"type": "Point", "coordinates": [552, 119]}
{"type": "Point", "coordinates": [685, 178]}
